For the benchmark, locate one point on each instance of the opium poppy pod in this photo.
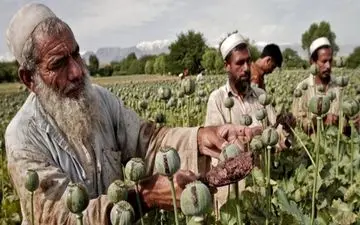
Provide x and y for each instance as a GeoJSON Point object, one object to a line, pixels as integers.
{"type": "Point", "coordinates": [164, 93]}
{"type": "Point", "coordinates": [319, 105]}
{"type": "Point", "coordinates": [350, 107]}
{"type": "Point", "coordinates": [188, 86]}
{"type": "Point", "coordinates": [117, 191]}
{"type": "Point", "coordinates": [229, 102]}
{"type": "Point", "coordinates": [230, 151]}
{"type": "Point", "coordinates": [256, 144]}
{"type": "Point", "coordinates": [297, 93]}
{"type": "Point", "coordinates": [77, 198]}
{"type": "Point", "coordinates": [245, 120]}
{"type": "Point", "coordinates": [195, 200]}
{"type": "Point", "coordinates": [32, 180]}
{"type": "Point", "coordinates": [265, 99]}
{"type": "Point", "coordinates": [314, 70]}
{"type": "Point", "coordinates": [135, 169]}
{"type": "Point", "coordinates": [122, 213]}
{"type": "Point", "coordinates": [270, 137]}
{"type": "Point", "coordinates": [167, 161]}
{"type": "Point", "coordinates": [342, 81]}
{"type": "Point", "coordinates": [260, 114]}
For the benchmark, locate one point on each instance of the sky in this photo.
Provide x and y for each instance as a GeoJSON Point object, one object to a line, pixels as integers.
{"type": "Point", "coordinates": [125, 23]}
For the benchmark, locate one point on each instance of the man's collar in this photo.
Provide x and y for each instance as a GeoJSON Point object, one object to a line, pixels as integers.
{"type": "Point", "coordinates": [230, 92]}
{"type": "Point", "coordinates": [312, 80]}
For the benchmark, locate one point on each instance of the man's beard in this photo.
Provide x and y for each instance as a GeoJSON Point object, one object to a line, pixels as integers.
{"type": "Point", "coordinates": [75, 117]}
{"type": "Point", "coordinates": [242, 83]}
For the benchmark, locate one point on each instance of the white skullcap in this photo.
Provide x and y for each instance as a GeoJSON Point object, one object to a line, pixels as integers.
{"type": "Point", "coordinates": [230, 43]}
{"type": "Point", "coordinates": [318, 43]}
{"type": "Point", "coordinates": [23, 24]}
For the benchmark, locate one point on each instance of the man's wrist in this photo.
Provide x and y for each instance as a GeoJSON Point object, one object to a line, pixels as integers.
{"type": "Point", "coordinates": [199, 140]}
{"type": "Point", "coordinates": [132, 199]}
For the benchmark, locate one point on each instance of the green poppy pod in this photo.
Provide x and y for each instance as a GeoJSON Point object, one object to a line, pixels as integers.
{"type": "Point", "coordinates": [245, 120]}
{"type": "Point", "coordinates": [230, 151]}
{"type": "Point", "coordinates": [77, 198]}
{"type": "Point", "coordinates": [167, 161]}
{"type": "Point", "coordinates": [32, 180]}
{"type": "Point", "coordinates": [319, 105]}
{"type": "Point", "coordinates": [117, 191]}
{"type": "Point", "coordinates": [229, 102]}
{"type": "Point", "coordinates": [122, 213]}
{"type": "Point", "coordinates": [350, 107]}
{"type": "Point", "coordinates": [270, 137]}
{"type": "Point", "coordinates": [195, 199]}
{"type": "Point", "coordinates": [135, 169]}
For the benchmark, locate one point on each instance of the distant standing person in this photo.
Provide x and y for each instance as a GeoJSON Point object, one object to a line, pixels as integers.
{"type": "Point", "coordinates": [270, 58]}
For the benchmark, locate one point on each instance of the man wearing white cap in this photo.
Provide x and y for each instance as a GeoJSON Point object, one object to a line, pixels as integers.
{"type": "Point", "coordinates": [236, 55]}
{"type": "Point", "coordinates": [321, 55]}
{"type": "Point", "coordinates": [71, 131]}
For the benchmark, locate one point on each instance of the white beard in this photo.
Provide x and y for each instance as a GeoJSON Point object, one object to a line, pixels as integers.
{"type": "Point", "coordinates": [76, 118]}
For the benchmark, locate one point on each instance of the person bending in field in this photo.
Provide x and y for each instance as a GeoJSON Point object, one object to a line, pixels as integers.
{"type": "Point", "coordinates": [236, 56]}
{"type": "Point", "coordinates": [69, 130]}
{"type": "Point", "coordinates": [270, 58]}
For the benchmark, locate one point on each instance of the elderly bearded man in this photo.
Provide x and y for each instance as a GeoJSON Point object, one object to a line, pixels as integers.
{"type": "Point", "coordinates": [71, 131]}
{"type": "Point", "coordinates": [236, 55]}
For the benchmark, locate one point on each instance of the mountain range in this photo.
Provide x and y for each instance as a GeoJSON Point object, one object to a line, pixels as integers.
{"type": "Point", "coordinates": [109, 54]}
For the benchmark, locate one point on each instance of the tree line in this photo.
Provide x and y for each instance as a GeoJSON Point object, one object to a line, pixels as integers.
{"type": "Point", "coordinates": [191, 52]}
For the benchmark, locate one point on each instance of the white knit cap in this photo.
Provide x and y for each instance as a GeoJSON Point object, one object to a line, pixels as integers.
{"type": "Point", "coordinates": [230, 43]}
{"type": "Point", "coordinates": [318, 43]}
{"type": "Point", "coordinates": [23, 24]}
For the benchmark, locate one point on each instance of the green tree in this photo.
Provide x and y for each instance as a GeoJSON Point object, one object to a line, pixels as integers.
{"type": "Point", "coordinates": [93, 65]}
{"type": "Point", "coordinates": [160, 64]}
{"type": "Point", "coordinates": [9, 71]}
{"type": "Point", "coordinates": [353, 61]}
{"type": "Point", "coordinates": [323, 29]}
{"type": "Point", "coordinates": [106, 71]}
{"type": "Point", "coordinates": [219, 64]}
{"type": "Point", "coordinates": [208, 60]}
{"type": "Point", "coordinates": [149, 66]}
{"type": "Point", "coordinates": [135, 67]}
{"type": "Point", "coordinates": [186, 52]}
{"type": "Point", "coordinates": [292, 59]}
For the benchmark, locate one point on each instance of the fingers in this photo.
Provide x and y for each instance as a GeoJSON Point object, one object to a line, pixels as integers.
{"type": "Point", "coordinates": [184, 177]}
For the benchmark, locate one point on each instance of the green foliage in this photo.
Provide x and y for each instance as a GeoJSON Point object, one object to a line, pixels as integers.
{"type": "Point", "coordinates": [292, 59]}
{"type": "Point", "coordinates": [186, 52]}
{"type": "Point", "coordinates": [160, 64]}
{"type": "Point", "coordinates": [149, 66]}
{"type": "Point", "coordinates": [9, 71]}
{"type": "Point", "coordinates": [93, 65]}
{"type": "Point", "coordinates": [208, 60]}
{"type": "Point", "coordinates": [316, 30]}
{"type": "Point", "coordinates": [106, 71]}
{"type": "Point", "coordinates": [292, 172]}
{"type": "Point", "coordinates": [353, 61]}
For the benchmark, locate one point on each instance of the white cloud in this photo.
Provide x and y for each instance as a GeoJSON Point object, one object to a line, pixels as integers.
{"type": "Point", "coordinates": [123, 23]}
{"type": "Point", "coordinates": [151, 45]}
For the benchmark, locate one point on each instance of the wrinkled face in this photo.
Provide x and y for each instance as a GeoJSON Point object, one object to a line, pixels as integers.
{"type": "Point", "coordinates": [324, 62]}
{"type": "Point", "coordinates": [238, 67]}
{"type": "Point", "coordinates": [63, 87]}
{"type": "Point", "coordinates": [60, 64]}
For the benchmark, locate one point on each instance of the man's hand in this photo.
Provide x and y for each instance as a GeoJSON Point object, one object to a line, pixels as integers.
{"type": "Point", "coordinates": [212, 139]}
{"type": "Point", "coordinates": [156, 190]}
{"type": "Point", "coordinates": [331, 119]}
{"type": "Point", "coordinates": [287, 120]}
